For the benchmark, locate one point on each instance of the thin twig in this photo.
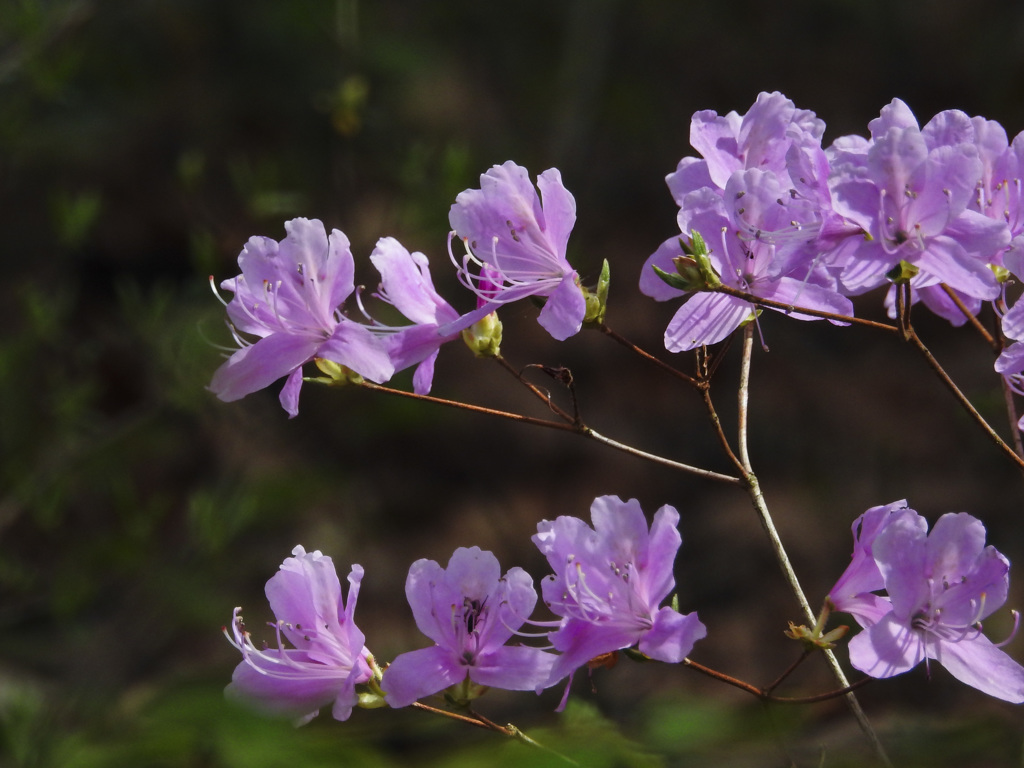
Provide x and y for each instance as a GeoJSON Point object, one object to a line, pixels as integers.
{"type": "Point", "coordinates": [701, 382]}
{"type": "Point", "coordinates": [478, 720]}
{"type": "Point", "coordinates": [487, 725]}
{"type": "Point", "coordinates": [707, 474]}
{"type": "Point", "coordinates": [712, 360]}
{"type": "Point", "coordinates": [583, 429]}
{"type": "Point", "coordinates": [753, 488]}
{"type": "Point", "coordinates": [544, 397]}
{"type": "Point", "coordinates": [972, 319]}
{"type": "Point", "coordinates": [765, 694]}
{"type": "Point", "coordinates": [903, 304]}
{"type": "Point", "coordinates": [580, 429]}
{"type": "Point", "coordinates": [717, 424]}
{"type": "Point", "coordinates": [744, 396]}
{"type": "Point", "coordinates": [789, 670]}
{"type": "Point", "coordinates": [962, 399]}
{"type": "Point", "coordinates": [646, 355]}
{"type": "Point", "coordinates": [472, 408]}
{"type": "Point", "coordinates": [793, 309]}
{"type": "Point", "coordinates": [513, 732]}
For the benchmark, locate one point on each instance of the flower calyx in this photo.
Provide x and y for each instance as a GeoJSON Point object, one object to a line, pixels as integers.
{"type": "Point", "coordinates": [902, 273]}
{"type": "Point", "coordinates": [813, 639]}
{"type": "Point", "coordinates": [369, 694]}
{"type": "Point", "coordinates": [817, 638]}
{"type": "Point", "coordinates": [597, 299]}
{"type": "Point", "coordinates": [484, 336]}
{"type": "Point", "coordinates": [335, 375]}
{"type": "Point", "coordinates": [461, 694]}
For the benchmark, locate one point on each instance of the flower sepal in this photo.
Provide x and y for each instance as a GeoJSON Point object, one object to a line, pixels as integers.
{"type": "Point", "coordinates": [597, 299]}
{"type": "Point", "coordinates": [813, 639]}
{"type": "Point", "coordinates": [370, 699]}
{"type": "Point", "coordinates": [461, 694]}
{"type": "Point", "coordinates": [336, 375]}
{"type": "Point", "coordinates": [817, 638]}
{"type": "Point", "coordinates": [369, 695]}
{"type": "Point", "coordinates": [688, 278]}
{"type": "Point", "coordinates": [632, 654]}
{"type": "Point", "coordinates": [902, 273]}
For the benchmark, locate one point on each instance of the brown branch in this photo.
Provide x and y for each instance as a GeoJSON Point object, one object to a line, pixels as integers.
{"type": "Point", "coordinates": [791, 308]}
{"type": "Point", "coordinates": [472, 408]}
{"type": "Point", "coordinates": [962, 398]}
{"type": "Point", "coordinates": [764, 694]}
{"type": "Point", "coordinates": [545, 397]}
{"type": "Point", "coordinates": [789, 670]}
{"type": "Point", "coordinates": [579, 429]}
{"type": "Point", "coordinates": [647, 355]}
{"type": "Point", "coordinates": [717, 424]}
{"type": "Point", "coordinates": [479, 722]}
{"type": "Point", "coordinates": [993, 342]}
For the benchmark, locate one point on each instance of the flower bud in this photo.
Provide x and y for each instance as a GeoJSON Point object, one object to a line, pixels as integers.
{"type": "Point", "coordinates": [695, 271]}
{"type": "Point", "coordinates": [597, 300]}
{"type": "Point", "coordinates": [484, 336]}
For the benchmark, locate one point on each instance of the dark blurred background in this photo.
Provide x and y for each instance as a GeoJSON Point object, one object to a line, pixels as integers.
{"type": "Point", "coordinates": [141, 144]}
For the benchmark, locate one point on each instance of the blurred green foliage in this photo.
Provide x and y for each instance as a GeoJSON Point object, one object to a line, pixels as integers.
{"type": "Point", "coordinates": [142, 142]}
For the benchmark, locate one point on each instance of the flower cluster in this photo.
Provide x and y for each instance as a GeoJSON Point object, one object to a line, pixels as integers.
{"type": "Point", "coordinates": [790, 221]}
{"type": "Point", "coordinates": [768, 217]}
{"type": "Point", "coordinates": [919, 596]}
{"type": "Point", "coordinates": [939, 586]}
{"type": "Point", "coordinates": [291, 294]}
{"type": "Point", "coordinates": [606, 591]}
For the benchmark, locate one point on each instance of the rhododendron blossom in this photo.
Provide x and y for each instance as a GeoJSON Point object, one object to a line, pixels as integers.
{"type": "Point", "coordinates": [470, 611]}
{"type": "Point", "coordinates": [290, 295]}
{"type": "Point", "coordinates": [406, 284]}
{"type": "Point", "coordinates": [854, 593]}
{"type": "Point", "coordinates": [609, 582]}
{"type": "Point", "coordinates": [743, 229]}
{"type": "Point", "coordinates": [329, 657]}
{"type": "Point", "coordinates": [515, 244]}
{"type": "Point", "coordinates": [941, 585]}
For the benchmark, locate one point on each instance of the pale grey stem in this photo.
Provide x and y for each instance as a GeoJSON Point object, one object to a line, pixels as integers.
{"type": "Point", "coordinates": [744, 394]}
{"type": "Point", "coordinates": [761, 507]}
{"type": "Point", "coordinates": [705, 473]}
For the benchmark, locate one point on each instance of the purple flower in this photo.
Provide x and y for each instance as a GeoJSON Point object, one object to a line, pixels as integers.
{"type": "Point", "coordinates": [290, 295]}
{"type": "Point", "coordinates": [329, 656]}
{"type": "Point", "coordinates": [406, 284]}
{"type": "Point", "coordinates": [470, 612]}
{"type": "Point", "coordinates": [609, 581]}
{"type": "Point", "coordinates": [752, 230]}
{"type": "Point", "coordinates": [518, 243]}
{"type": "Point", "coordinates": [761, 139]}
{"type": "Point", "coordinates": [940, 585]}
{"type": "Point", "coordinates": [854, 592]}
{"type": "Point", "coordinates": [908, 190]}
